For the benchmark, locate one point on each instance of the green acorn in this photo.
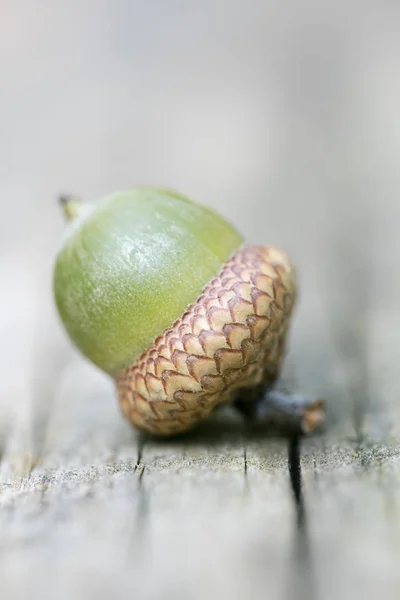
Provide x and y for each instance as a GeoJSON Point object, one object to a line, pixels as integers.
{"type": "Point", "coordinates": [160, 293]}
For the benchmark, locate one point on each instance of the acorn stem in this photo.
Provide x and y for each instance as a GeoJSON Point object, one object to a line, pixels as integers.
{"type": "Point", "coordinates": [286, 410]}
{"type": "Point", "coordinates": [71, 206]}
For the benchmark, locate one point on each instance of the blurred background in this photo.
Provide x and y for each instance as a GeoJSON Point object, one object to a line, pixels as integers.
{"type": "Point", "coordinates": [284, 116]}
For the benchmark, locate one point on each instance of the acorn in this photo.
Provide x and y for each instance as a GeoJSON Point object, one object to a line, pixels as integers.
{"type": "Point", "coordinates": [163, 295]}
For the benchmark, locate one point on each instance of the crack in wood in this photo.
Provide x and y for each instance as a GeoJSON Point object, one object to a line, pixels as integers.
{"type": "Point", "coordinates": [295, 477]}
{"type": "Point", "coordinates": [141, 443]}
{"type": "Point", "coordinates": [137, 537]}
{"type": "Point", "coordinates": [301, 579]}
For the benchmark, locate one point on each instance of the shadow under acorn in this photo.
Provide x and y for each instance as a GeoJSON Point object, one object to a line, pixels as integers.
{"type": "Point", "coordinates": [280, 415]}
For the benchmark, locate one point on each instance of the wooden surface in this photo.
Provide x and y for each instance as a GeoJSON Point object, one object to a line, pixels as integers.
{"type": "Point", "coordinates": [288, 122]}
{"type": "Point", "coordinates": [91, 509]}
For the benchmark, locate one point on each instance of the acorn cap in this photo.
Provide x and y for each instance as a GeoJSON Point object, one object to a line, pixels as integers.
{"type": "Point", "coordinates": [232, 337]}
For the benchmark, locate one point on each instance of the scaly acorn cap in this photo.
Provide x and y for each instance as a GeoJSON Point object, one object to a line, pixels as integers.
{"type": "Point", "coordinates": [232, 337]}
{"type": "Point", "coordinates": [162, 294]}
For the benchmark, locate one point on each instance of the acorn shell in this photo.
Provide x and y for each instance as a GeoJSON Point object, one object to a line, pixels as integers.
{"type": "Point", "coordinates": [232, 337]}
{"type": "Point", "coordinates": [131, 265]}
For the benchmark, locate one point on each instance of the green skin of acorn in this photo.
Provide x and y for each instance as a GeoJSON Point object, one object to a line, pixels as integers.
{"type": "Point", "coordinates": [130, 265]}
